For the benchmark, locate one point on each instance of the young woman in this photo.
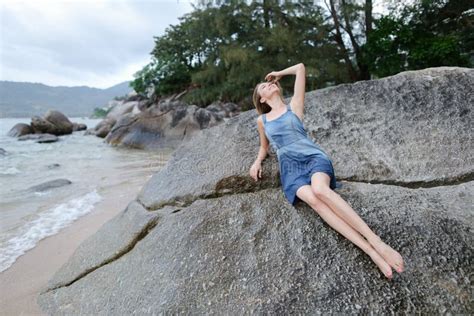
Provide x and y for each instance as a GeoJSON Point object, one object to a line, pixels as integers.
{"type": "Point", "coordinates": [306, 171]}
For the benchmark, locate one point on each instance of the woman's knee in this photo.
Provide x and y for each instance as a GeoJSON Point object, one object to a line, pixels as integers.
{"type": "Point", "coordinates": [320, 190]}
{"type": "Point", "coordinates": [320, 184]}
{"type": "Point", "coordinates": [306, 194]}
{"type": "Point", "coordinates": [312, 200]}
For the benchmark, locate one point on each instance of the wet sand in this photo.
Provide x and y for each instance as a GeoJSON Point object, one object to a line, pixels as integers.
{"type": "Point", "coordinates": [21, 283]}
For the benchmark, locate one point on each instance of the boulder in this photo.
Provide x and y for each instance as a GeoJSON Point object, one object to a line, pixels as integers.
{"type": "Point", "coordinates": [203, 237]}
{"type": "Point", "coordinates": [165, 124]}
{"type": "Point", "coordinates": [102, 128]}
{"type": "Point", "coordinates": [118, 108]}
{"type": "Point", "coordinates": [56, 183]}
{"type": "Point", "coordinates": [228, 109]}
{"type": "Point", "coordinates": [62, 123]}
{"type": "Point", "coordinates": [254, 253]}
{"type": "Point", "coordinates": [20, 129]}
{"type": "Point", "coordinates": [78, 127]}
{"type": "Point", "coordinates": [40, 137]}
{"type": "Point", "coordinates": [40, 125]}
{"type": "Point", "coordinates": [53, 122]}
{"type": "Point", "coordinates": [146, 124]}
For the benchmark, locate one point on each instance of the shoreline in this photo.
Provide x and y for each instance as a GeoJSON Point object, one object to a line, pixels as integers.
{"type": "Point", "coordinates": [21, 283]}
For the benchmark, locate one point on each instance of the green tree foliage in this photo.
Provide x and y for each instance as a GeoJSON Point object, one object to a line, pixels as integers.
{"type": "Point", "coordinates": [426, 34]}
{"type": "Point", "coordinates": [100, 112]}
{"type": "Point", "coordinates": [222, 49]}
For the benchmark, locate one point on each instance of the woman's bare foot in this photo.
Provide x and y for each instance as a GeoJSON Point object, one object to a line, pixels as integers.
{"type": "Point", "coordinates": [381, 263]}
{"type": "Point", "coordinates": [391, 256]}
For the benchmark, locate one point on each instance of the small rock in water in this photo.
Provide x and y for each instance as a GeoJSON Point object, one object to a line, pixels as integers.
{"type": "Point", "coordinates": [50, 184]}
{"type": "Point", "coordinates": [40, 138]}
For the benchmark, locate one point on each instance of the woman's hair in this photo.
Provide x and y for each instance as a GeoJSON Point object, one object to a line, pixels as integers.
{"type": "Point", "coordinates": [264, 107]}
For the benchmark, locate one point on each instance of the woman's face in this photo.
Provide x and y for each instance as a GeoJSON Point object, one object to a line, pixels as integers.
{"type": "Point", "coordinates": [266, 90]}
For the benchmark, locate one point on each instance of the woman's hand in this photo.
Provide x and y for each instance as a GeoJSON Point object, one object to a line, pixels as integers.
{"type": "Point", "coordinates": [273, 76]}
{"type": "Point", "coordinates": [256, 170]}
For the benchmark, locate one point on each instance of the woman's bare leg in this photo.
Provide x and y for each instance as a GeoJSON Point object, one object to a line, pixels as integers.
{"type": "Point", "coordinates": [306, 194]}
{"type": "Point", "coordinates": [320, 187]}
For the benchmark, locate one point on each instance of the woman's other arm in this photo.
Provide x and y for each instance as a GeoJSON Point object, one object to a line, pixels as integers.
{"type": "Point", "coordinates": [256, 169]}
{"type": "Point", "coordinates": [264, 144]}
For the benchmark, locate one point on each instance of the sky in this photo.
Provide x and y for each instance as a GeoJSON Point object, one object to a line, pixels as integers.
{"type": "Point", "coordinates": [95, 43]}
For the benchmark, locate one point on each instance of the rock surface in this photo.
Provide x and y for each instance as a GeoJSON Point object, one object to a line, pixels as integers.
{"type": "Point", "coordinates": [78, 127]}
{"type": "Point", "coordinates": [53, 123]}
{"type": "Point", "coordinates": [116, 108]}
{"type": "Point", "coordinates": [166, 123]}
{"type": "Point", "coordinates": [20, 129]}
{"type": "Point", "coordinates": [203, 237]}
{"type": "Point", "coordinates": [40, 137]}
{"type": "Point", "coordinates": [50, 185]}
{"type": "Point", "coordinates": [161, 125]}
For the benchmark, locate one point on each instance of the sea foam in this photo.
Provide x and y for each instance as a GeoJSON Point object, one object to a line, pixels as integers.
{"type": "Point", "coordinates": [47, 223]}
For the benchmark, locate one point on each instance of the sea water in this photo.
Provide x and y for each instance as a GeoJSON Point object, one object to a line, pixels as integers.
{"type": "Point", "coordinates": [92, 166]}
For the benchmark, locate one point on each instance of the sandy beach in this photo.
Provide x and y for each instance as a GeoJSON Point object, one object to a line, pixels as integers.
{"type": "Point", "coordinates": [20, 284]}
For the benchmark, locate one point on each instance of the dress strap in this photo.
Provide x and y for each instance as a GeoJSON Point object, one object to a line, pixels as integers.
{"type": "Point", "coordinates": [264, 117]}
{"type": "Point", "coordinates": [288, 107]}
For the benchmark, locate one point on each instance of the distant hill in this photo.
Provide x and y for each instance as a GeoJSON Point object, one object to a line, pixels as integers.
{"type": "Point", "coordinates": [24, 99]}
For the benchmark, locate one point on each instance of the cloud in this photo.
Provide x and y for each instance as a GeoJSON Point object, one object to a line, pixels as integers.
{"type": "Point", "coordinates": [81, 42]}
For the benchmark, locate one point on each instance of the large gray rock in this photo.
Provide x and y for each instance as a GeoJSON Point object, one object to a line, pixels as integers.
{"type": "Point", "coordinates": [414, 127]}
{"type": "Point", "coordinates": [53, 122]}
{"type": "Point", "coordinates": [166, 124]}
{"type": "Point", "coordinates": [78, 127]}
{"type": "Point", "coordinates": [120, 108]}
{"type": "Point", "coordinates": [117, 109]}
{"type": "Point", "coordinates": [40, 137]}
{"type": "Point", "coordinates": [20, 129]}
{"type": "Point", "coordinates": [150, 124]}
{"type": "Point", "coordinates": [253, 252]}
{"type": "Point", "coordinates": [48, 185]}
{"type": "Point", "coordinates": [45, 129]}
{"type": "Point", "coordinates": [102, 128]}
{"type": "Point", "coordinates": [202, 237]}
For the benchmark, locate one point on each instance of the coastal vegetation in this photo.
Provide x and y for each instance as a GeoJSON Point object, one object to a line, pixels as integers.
{"type": "Point", "coordinates": [220, 50]}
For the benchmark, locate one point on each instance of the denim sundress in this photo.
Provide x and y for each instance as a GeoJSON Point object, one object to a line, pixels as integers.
{"type": "Point", "coordinates": [298, 156]}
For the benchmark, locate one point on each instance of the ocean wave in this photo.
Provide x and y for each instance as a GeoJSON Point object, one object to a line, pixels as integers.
{"type": "Point", "coordinates": [47, 223]}
{"type": "Point", "coordinates": [9, 171]}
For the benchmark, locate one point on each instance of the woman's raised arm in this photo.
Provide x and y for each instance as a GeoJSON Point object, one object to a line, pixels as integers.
{"type": "Point", "coordinates": [297, 101]}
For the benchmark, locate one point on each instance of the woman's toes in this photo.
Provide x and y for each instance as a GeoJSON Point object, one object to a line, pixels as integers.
{"type": "Point", "coordinates": [400, 263]}
{"type": "Point", "coordinates": [390, 255]}
{"type": "Point", "coordinates": [381, 263]}
{"type": "Point", "coordinates": [400, 267]}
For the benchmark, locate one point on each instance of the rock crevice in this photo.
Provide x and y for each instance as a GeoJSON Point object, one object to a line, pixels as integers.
{"type": "Point", "coordinates": [141, 234]}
